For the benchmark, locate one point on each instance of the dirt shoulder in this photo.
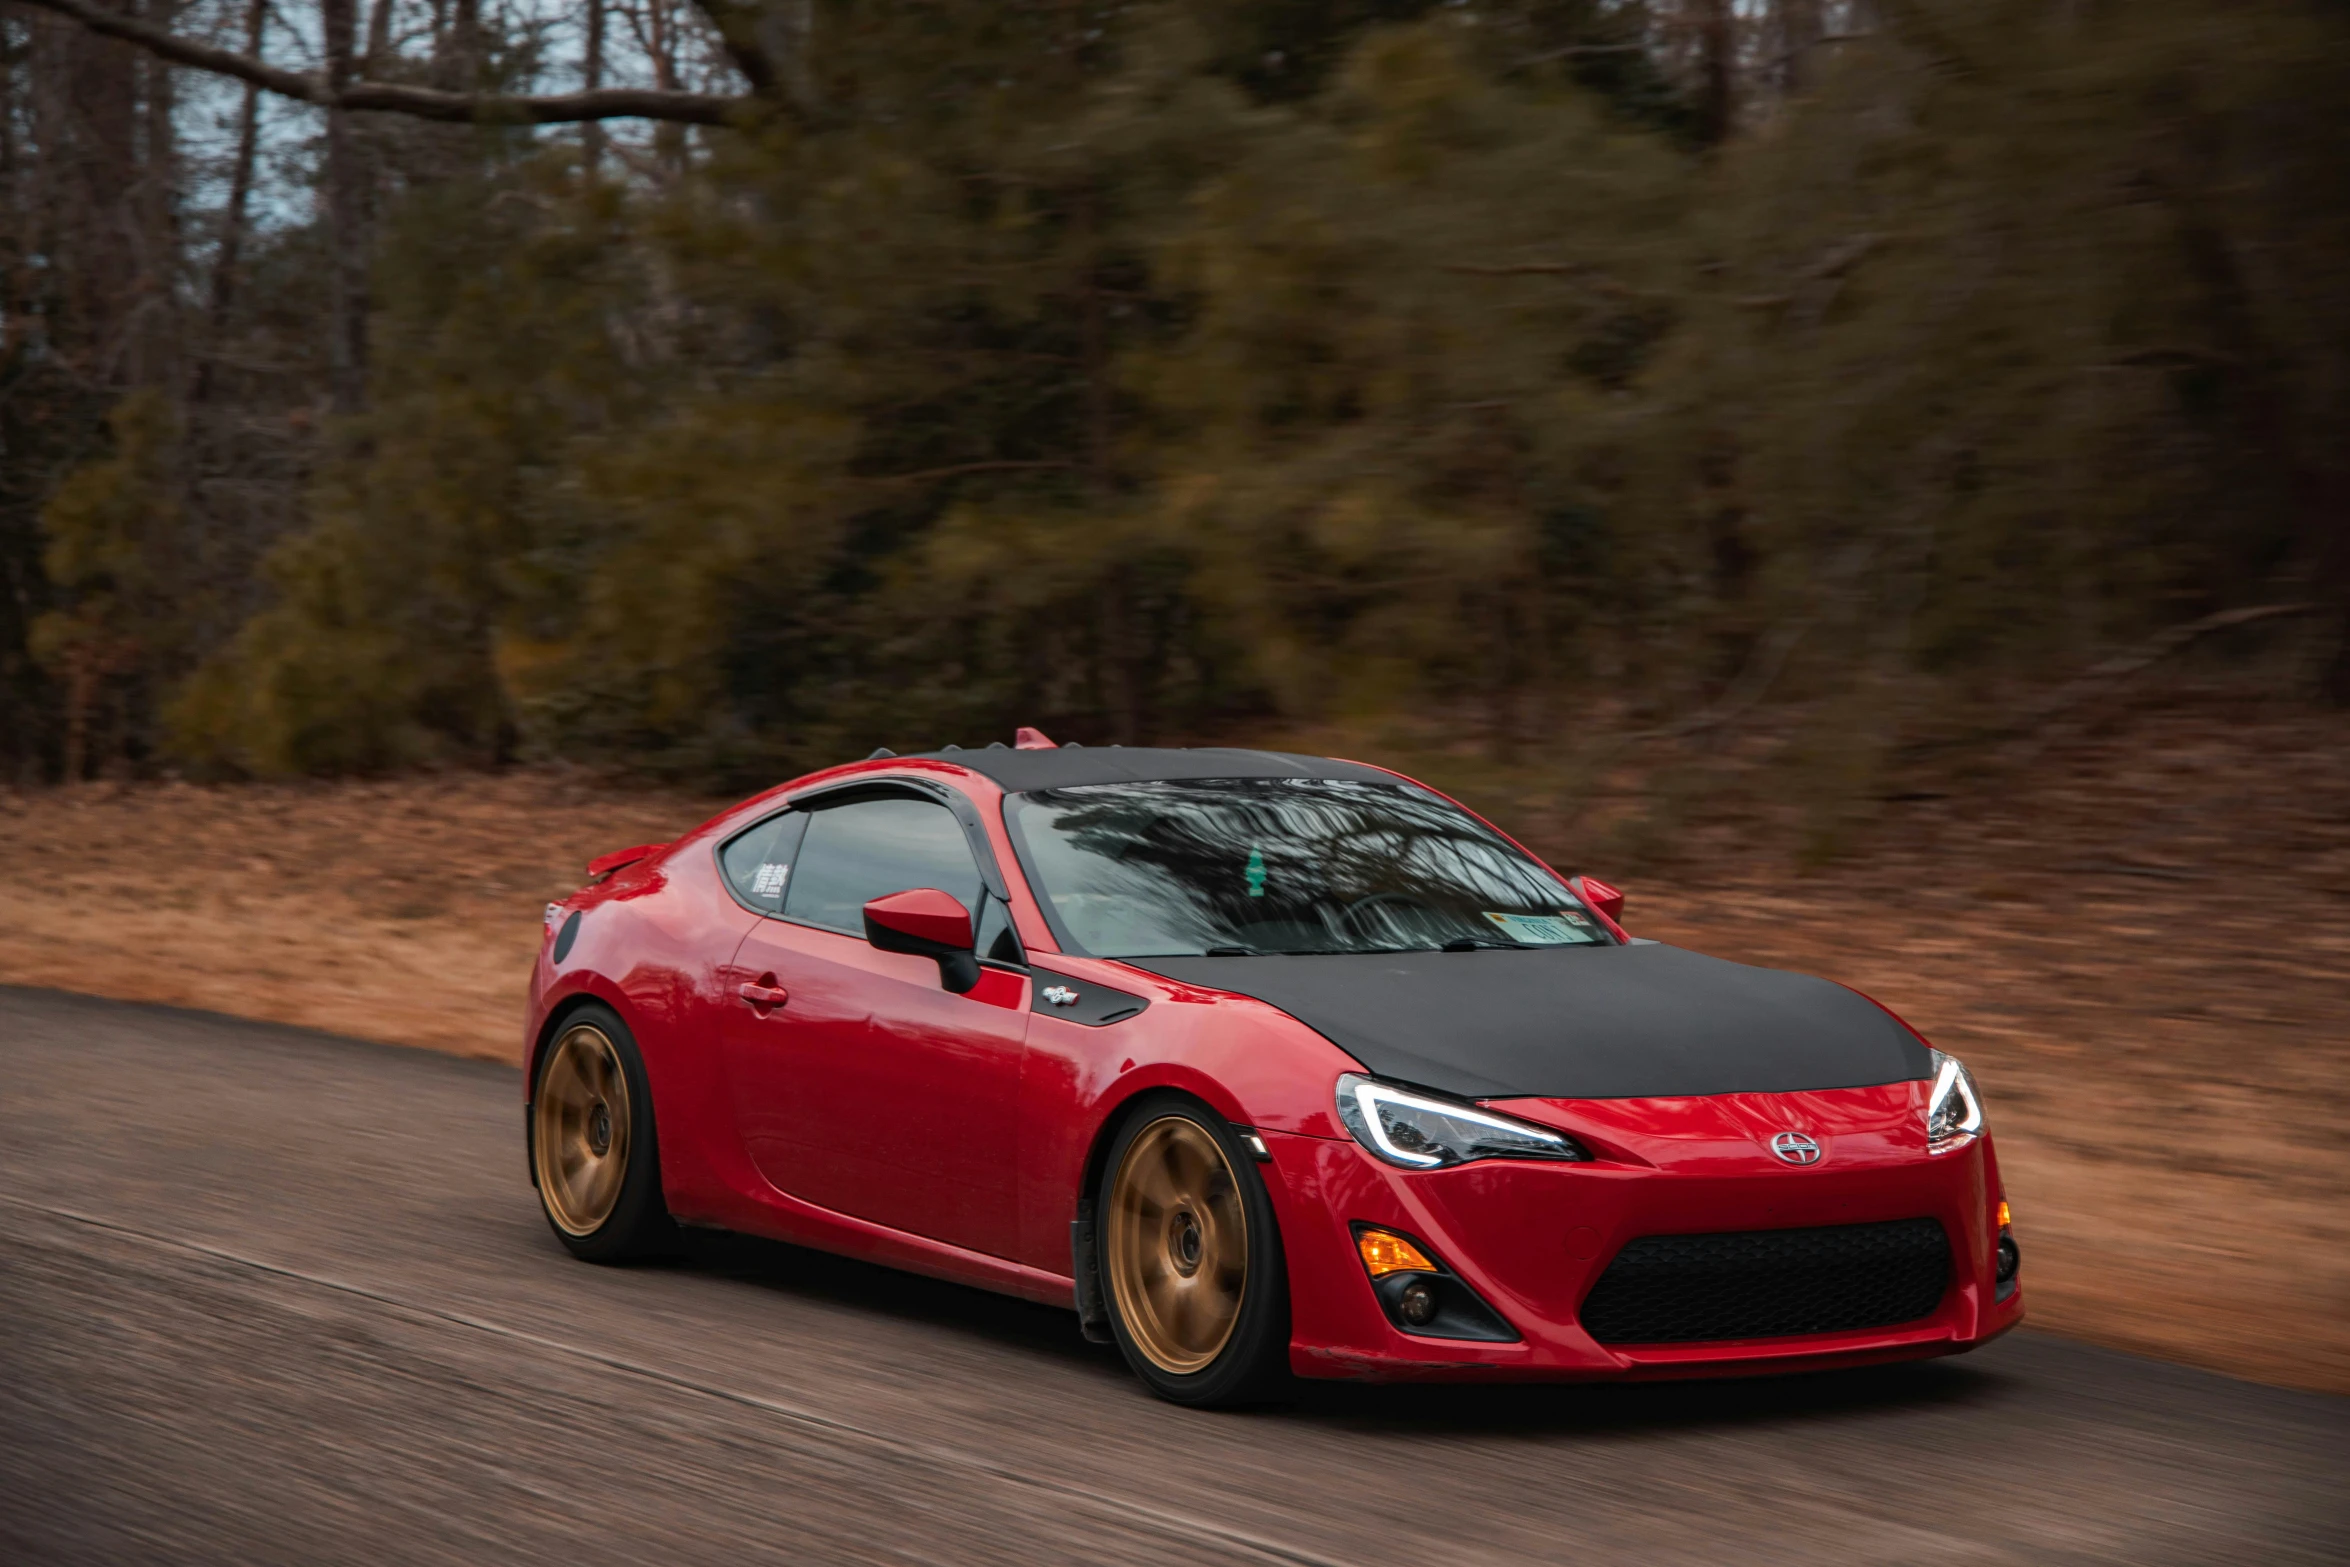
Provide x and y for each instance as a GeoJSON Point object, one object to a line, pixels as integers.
{"type": "Point", "coordinates": [406, 911]}
{"type": "Point", "coordinates": [2145, 958]}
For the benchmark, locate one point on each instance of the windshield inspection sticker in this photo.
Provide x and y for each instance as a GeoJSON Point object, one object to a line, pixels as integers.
{"type": "Point", "coordinates": [1542, 930]}
{"type": "Point", "coordinates": [769, 881]}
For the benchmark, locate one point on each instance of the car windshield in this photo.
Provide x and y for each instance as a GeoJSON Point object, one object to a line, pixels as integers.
{"type": "Point", "coordinates": [1247, 866]}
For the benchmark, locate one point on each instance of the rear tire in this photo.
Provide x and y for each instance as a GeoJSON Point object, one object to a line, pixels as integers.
{"type": "Point", "coordinates": [1191, 1263]}
{"type": "Point", "coordinates": [594, 1155]}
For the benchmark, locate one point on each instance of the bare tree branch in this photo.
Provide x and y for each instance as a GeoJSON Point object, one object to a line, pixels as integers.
{"type": "Point", "coordinates": [606, 103]}
{"type": "Point", "coordinates": [1515, 268]}
{"type": "Point", "coordinates": [737, 24]}
{"type": "Point", "coordinates": [186, 51]}
{"type": "Point", "coordinates": [1752, 683]}
{"type": "Point", "coordinates": [1796, 51]}
{"type": "Point", "coordinates": [1589, 276]}
{"type": "Point", "coordinates": [2159, 646]}
{"type": "Point", "coordinates": [927, 475]}
{"type": "Point", "coordinates": [232, 223]}
{"type": "Point", "coordinates": [1574, 52]}
{"type": "Point", "coordinates": [2032, 728]}
{"type": "Point", "coordinates": [1839, 259]}
{"type": "Point", "coordinates": [1830, 268]}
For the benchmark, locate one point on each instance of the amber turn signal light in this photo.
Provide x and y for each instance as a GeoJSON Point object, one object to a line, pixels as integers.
{"type": "Point", "coordinates": [1384, 1253]}
{"type": "Point", "coordinates": [2003, 1213]}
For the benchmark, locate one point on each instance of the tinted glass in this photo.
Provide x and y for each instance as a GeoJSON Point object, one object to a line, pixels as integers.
{"type": "Point", "coordinates": [1284, 865]}
{"type": "Point", "coordinates": [996, 940]}
{"type": "Point", "coordinates": [758, 861]}
{"type": "Point", "coordinates": [855, 853]}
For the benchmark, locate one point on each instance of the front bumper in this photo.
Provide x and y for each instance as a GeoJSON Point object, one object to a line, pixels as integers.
{"type": "Point", "coordinates": [1532, 1239]}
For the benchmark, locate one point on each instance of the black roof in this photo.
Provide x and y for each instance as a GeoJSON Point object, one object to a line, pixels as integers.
{"type": "Point", "coordinates": [1070, 765]}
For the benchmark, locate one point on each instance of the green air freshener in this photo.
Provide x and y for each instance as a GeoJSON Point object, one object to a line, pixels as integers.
{"type": "Point", "coordinates": [1256, 873]}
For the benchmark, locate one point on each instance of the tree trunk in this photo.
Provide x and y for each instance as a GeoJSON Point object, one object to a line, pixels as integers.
{"type": "Point", "coordinates": [795, 24]}
{"type": "Point", "coordinates": [465, 43]}
{"type": "Point", "coordinates": [379, 40]}
{"type": "Point", "coordinates": [232, 220]}
{"type": "Point", "coordinates": [346, 222]}
{"type": "Point", "coordinates": [154, 347]}
{"type": "Point", "coordinates": [661, 33]}
{"type": "Point", "coordinates": [80, 685]}
{"type": "Point", "coordinates": [96, 137]}
{"type": "Point", "coordinates": [1096, 347]}
{"type": "Point", "coordinates": [591, 135]}
{"type": "Point", "coordinates": [15, 210]}
{"type": "Point", "coordinates": [1717, 69]}
{"type": "Point", "coordinates": [1798, 36]}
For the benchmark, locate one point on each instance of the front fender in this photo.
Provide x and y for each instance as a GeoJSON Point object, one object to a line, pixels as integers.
{"type": "Point", "coordinates": [1251, 1063]}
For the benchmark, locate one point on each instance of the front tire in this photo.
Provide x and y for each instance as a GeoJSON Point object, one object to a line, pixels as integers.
{"type": "Point", "coordinates": [1191, 1260]}
{"type": "Point", "coordinates": [594, 1155]}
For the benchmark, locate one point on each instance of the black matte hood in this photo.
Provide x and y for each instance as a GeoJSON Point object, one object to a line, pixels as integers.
{"type": "Point", "coordinates": [1637, 1022]}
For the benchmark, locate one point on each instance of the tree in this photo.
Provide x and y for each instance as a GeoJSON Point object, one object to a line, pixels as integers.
{"type": "Point", "coordinates": [115, 547]}
{"type": "Point", "coordinates": [341, 90]}
{"type": "Point", "coordinates": [338, 88]}
{"type": "Point", "coordinates": [231, 245]}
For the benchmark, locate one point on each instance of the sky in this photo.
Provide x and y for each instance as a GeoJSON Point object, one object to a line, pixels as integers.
{"type": "Point", "coordinates": [208, 105]}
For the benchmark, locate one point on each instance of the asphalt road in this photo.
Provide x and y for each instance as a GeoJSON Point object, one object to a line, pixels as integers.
{"type": "Point", "coordinates": [270, 1296]}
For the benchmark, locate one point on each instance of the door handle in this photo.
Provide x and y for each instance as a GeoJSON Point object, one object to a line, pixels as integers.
{"type": "Point", "coordinates": [763, 993]}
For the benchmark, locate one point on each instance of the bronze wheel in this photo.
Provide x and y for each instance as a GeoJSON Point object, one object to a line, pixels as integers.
{"type": "Point", "coordinates": [1176, 1248]}
{"type": "Point", "coordinates": [582, 1122]}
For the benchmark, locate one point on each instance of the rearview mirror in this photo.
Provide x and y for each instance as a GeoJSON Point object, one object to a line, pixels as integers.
{"type": "Point", "coordinates": [1606, 899]}
{"type": "Point", "coordinates": [927, 923]}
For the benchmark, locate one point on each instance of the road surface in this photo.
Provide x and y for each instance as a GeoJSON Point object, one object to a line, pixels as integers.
{"type": "Point", "coordinates": [271, 1296]}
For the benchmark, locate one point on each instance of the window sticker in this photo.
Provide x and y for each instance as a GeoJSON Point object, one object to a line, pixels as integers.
{"type": "Point", "coordinates": [1543, 930]}
{"type": "Point", "coordinates": [768, 883]}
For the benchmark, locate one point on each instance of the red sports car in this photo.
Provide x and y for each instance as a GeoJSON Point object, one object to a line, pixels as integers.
{"type": "Point", "coordinates": [1264, 1064]}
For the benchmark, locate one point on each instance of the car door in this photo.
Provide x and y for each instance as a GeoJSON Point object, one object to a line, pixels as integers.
{"type": "Point", "coordinates": [860, 1083]}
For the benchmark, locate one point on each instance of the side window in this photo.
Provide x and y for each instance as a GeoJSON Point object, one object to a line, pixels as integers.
{"type": "Point", "coordinates": [758, 860]}
{"type": "Point", "coordinates": [855, 853]}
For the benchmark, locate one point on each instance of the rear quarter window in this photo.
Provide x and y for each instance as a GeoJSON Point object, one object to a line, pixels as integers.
{"type": "Point", "coordinates": [757, 861]}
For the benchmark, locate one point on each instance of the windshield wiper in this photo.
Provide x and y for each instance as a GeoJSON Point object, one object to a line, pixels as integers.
{"type": "Point", "coordinates": [1233, 952]}
{"type": "Point", "coordinates": [1472, 943]}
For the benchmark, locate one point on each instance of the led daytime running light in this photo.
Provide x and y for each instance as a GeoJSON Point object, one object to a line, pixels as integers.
{"type": "Point", "coordinates": [1954, 1111]}
{"type": "Point", "coordinates": [1370, 1126]}
{"type": "Point", "coordinates": [1421, 1132]}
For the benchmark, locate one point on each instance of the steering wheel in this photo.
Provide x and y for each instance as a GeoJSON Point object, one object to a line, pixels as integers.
{"type": "Point", "coordinates": [1347, 914]}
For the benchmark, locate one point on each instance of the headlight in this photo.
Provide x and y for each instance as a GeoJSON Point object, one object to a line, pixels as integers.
{"type": "Point", "coordinates": [1422, 1133]}
{"type": "Point", "coordinates": [1954, 1111]}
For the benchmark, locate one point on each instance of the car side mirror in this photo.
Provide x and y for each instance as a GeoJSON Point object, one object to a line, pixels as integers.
{"type": "Point", "coordinates": [1606, 899]}
{"type": "Point", "coordinates": [930, 924]}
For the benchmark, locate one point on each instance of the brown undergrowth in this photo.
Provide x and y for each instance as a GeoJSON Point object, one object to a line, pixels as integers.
{"type": "Point", "coordinates": [2143, 951]}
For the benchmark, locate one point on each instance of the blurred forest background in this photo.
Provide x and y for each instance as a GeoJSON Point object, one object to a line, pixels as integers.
{"type": "Point", "coordinates": [713, 390]}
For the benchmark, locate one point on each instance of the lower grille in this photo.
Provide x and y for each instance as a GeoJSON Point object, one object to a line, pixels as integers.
{"type": "Point", "coordinates": [1680, 1289]}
